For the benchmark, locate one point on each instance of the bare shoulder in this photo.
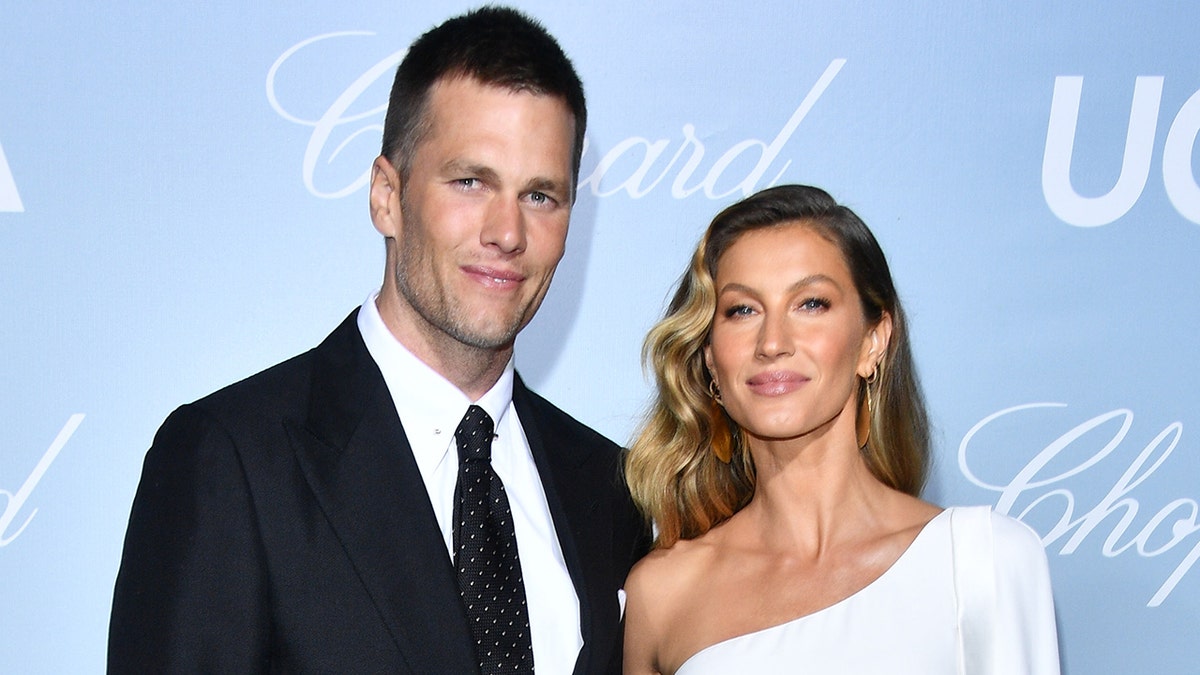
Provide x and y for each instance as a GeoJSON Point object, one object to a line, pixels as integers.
{"type": "Point", "coordinates": [659, 591]}
{"type": "Point", "coordinates": [668, 573]}
{"type": "Point", "coordinates": [908, 515]}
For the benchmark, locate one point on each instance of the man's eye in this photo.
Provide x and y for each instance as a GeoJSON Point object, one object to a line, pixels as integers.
{"type": "Point", "coordinates": [540, 199]}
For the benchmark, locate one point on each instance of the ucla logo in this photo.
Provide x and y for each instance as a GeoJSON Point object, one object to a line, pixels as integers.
{"type": "Point", "coordinates": [1178, 179]}
{"type": "Point", "coordinates": [10, 200]}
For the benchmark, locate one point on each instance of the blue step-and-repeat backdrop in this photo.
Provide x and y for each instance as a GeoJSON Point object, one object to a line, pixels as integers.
{"type": "Point", "coordinates": [182, 204]}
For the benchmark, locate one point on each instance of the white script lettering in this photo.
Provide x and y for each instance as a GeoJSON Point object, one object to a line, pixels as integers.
{"type": "Point", "coordinates": [634, 184]}
{"type": "Point", "coordinates": [335, 115]}
{"type": "Point", "coordinates": [10, 200]}
{"type": "Point", "coordinates": [14, 502]}
{"type": "Point", "coordinates": [1178, 178]}
{"type": "Point", "coordinates": [1184, 513]}
{"type": "Point", "coordinates": [337, 121]}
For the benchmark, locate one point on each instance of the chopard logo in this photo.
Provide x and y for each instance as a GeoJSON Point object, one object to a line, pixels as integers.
{"type": "Point", "coordinates": [14, 502]}
{"type": "Point", "coordinates": [635, 165]}
{"type": "Point", "coordinates": [1054, 491]}
{"type": "Point", "coordinates": [10, 199]}
{"type": "Point", "coordinates": [1178, 178]}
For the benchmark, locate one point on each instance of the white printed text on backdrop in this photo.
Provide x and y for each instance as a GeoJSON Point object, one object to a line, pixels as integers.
{"type": "Point", "coordinates": [1178, 178]}
{"type": "Point", "coordinates": [13, 503]}
{"type": "Point", "coordinates": [1054, 492]}
{"type": "Point", "coordinates": [634, 185]}
{"type": "Point", "coordinates": [10, 199]}
{"type": "Point", "coordinates": [338, 114]}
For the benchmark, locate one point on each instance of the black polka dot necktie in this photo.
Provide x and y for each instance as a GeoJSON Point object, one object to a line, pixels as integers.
{"type": "Point", "coordinates": [489, 572]}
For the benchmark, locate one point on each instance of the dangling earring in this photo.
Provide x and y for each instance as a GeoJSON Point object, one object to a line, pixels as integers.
{"type": "Point", "coordinates": [722, 440]}
{"type": "Point", "coordinates": [862, 426]}
{"type": "Point", "coordinates": [715, 392]}
{"type": "Point", "coordinates": [722, 447]}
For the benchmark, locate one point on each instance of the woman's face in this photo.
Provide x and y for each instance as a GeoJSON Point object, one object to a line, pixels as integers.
{"type": "Point", "coordinates": [789, 337]}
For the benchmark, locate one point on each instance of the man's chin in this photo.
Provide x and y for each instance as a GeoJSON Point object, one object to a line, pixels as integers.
{"type": "Point", "coordinates": [484, 335]}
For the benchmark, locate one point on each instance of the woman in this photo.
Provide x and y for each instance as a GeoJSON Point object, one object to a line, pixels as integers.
{"type": "Point", "coordinates": [782, 462]}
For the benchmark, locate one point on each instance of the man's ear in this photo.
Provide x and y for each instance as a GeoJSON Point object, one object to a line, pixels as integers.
{"type": "Point", "coordinates": [385, 198]}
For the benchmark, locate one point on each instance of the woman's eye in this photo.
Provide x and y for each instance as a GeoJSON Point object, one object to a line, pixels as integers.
{"type": "Point", "coordinates": [738, 310]}
{"type": "Point", "coordinates": [814, 304]}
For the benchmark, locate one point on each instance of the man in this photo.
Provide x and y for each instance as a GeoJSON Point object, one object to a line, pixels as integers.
{"type": "Point", "coordinates": [322, 515]}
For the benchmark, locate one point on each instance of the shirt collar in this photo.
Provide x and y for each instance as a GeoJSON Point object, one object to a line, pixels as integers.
{"type": "Point", "coordinates": [430, 406]}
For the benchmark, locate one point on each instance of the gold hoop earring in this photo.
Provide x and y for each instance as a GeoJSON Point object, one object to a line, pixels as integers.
{"type": "Point", "coordinates": [715, 392]}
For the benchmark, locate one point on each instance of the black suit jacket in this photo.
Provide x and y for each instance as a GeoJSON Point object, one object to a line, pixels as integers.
{"type": "Point", "coordinates": [281, 525]}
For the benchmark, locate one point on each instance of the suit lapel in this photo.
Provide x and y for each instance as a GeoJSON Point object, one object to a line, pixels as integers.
{"type": "Point", "coordinates": [360, 467]}
{"type": "Point", "coordinates": [573, 478]}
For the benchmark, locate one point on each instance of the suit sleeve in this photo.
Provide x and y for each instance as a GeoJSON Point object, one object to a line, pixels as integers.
{"type": "Point", "coordinates": [191, 592]}
{"type": "Point", "coordinates": [635, 537]}
{"type": "Point", "coordinates": [1026, 636]}
{"type": "Point", "coordinates": [632, 543]}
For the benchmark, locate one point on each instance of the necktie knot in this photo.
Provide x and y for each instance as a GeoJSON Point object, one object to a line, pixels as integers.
{"type": "Point", "coordinates": [474, 435]}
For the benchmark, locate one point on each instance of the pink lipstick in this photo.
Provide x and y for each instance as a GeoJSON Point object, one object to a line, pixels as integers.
{"type": "Point", "coordinates": [776, 382]}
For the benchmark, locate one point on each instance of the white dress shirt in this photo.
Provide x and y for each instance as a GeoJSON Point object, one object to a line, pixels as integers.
{"type": "Point", "coordinates": [430, 408]}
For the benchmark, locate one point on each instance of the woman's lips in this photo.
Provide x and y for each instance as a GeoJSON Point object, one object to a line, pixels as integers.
{"type": "Point", "coordinates": [776, 382]}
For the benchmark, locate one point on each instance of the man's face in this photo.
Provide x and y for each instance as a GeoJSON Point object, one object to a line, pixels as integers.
{"type": "Point", "coordinates": [482, 215]}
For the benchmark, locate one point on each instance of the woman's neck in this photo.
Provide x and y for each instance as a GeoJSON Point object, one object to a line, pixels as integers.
{"type": "Point", "coordinates": [812, 493]}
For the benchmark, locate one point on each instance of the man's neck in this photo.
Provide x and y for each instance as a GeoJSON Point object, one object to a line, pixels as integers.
{"type": "Point", "coordinates": [474, 370]}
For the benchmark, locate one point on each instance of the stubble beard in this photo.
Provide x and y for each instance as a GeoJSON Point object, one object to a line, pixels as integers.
{"type": "Point", "coordinates": [442, 313]}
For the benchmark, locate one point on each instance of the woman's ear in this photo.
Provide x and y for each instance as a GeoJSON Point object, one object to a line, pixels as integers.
{"type": "Point", "coordinates": [874, 346]}
{"type": "Point", "coordinates": [708, 363]}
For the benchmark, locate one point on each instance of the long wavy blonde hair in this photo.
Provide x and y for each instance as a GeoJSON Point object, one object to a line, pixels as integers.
{"type": "Point", "coordinates": [674, 467]}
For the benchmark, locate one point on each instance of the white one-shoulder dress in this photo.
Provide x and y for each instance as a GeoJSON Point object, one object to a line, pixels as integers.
{"type": "Point", "coordinates": [970, 595]}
